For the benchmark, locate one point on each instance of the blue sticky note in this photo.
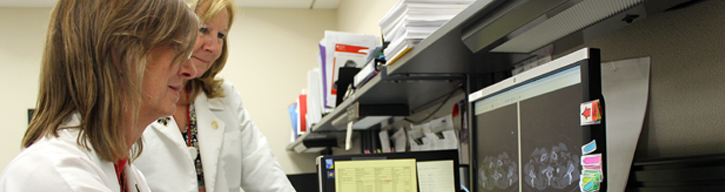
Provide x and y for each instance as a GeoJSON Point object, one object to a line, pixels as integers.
{"type": "Point", "coordinates": [588, 186]}
{"type": "Point", "coordinates": [589, 147]}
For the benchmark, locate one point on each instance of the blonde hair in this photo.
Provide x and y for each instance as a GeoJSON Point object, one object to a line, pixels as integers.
{"type": "Point", "coordinates": [206, 10]}
{"type": "Point", "coordinates": [95, 55]}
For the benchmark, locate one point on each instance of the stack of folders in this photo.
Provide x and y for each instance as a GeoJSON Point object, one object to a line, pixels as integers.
{"type": "Point", "coordinates": [297, 115]}
{"type": "Point", "coordinates": [301, 113]}
{"type": "Point", "coordinates": [337, 50]}
{"type": "Point", "coordinates": [411, 21]}
{"type": "Point", "coordinates": [292, 109]}
{"type": "Point", "coordinates": [308, 108]}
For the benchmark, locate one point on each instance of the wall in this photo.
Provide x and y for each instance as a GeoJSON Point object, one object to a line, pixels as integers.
{"type": "Point", "coordinates": [362, 16]}
{"type": "Point", "coordinates": [22, 40]}
{"type": "Point", "coordinates": [271, 51]}
{"type": "Point", "coordinates": [685, 109]}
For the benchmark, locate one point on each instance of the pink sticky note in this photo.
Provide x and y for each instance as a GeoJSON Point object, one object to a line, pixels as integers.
{"type": "Point", "coordinates": [592, 159]}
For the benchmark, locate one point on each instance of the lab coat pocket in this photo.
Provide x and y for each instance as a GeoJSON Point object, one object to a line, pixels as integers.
{"type": "Point", "coordinates": [231, 158]}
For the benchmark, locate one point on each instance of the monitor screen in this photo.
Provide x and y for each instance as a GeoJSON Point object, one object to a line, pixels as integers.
{"type": "Point", "coordinates": [528, 133]}
{"type": "Point", "coordinates": [404, 172]}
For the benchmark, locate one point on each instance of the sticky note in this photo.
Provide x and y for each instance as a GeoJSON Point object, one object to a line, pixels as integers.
{"type": "Point", "coordinates": [589, 147]}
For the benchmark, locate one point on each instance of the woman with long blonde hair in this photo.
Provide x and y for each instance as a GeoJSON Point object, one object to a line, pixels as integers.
{"type": "Point", "coordinates": [109, 69]}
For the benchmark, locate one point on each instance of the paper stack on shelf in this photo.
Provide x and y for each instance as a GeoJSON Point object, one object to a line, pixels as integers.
{"type": "Point", "coordinates": [314, 97]}
{"type": "Point", "coordinates": [411, 21]}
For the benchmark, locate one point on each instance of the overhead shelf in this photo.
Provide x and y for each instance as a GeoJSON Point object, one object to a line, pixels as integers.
{"type": "Point", "coordinates": [462, 50]}
{"type": "Point", "coordinates": [313, 142]}
{"type": "Point", "coordinates": [411, 91]}
{"type": "Point", "coordinates": [463, 45]}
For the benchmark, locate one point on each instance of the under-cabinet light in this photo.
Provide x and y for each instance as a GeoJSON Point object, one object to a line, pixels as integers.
{"type": "Point", "coordinates": [573, 19]}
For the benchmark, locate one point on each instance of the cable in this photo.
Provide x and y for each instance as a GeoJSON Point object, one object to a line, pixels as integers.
{"type": "Point", "coordinates": [434, 111]}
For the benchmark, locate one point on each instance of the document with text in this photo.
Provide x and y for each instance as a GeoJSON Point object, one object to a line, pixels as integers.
{"type": "Point", "coordinates": [436, 176]}
{"type": "Point", "coordinates": [376, 175]}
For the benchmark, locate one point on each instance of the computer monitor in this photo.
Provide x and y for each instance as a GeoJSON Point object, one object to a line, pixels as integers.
{"type": "Point", "coordinates": [541, 130]}
{"type": "Point", "coordinates": [404, 172]}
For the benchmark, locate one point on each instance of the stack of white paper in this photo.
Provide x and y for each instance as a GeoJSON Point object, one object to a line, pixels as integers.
{"type": "Point", "coordinates": [314, 97]}
{"type": "Point", "coordinates": [410, 21]}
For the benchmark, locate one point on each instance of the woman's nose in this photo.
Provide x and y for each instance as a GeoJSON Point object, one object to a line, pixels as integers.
{"type": "Point", "coordinates": [211, 44]}
{"type": "Point", "coordinates": [187, 69]}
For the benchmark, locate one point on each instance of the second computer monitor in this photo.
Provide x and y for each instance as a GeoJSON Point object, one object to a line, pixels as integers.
{"type": "Point", "coordinates": [529, 133]}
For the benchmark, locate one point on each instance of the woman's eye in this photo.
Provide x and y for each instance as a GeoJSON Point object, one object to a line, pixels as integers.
{"type": "Point", "coordinates": [221, 35]}
{"type": "Point", "coordinates": [203, 30]}
{"type": "Point", "coordinates": [176, 46]}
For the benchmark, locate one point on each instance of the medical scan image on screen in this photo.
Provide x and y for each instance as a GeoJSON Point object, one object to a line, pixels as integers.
{"type": "Point", "coordinates": [529, 136]}
{"type": "Point", "coordinates": [498, 165]}
{"type": "Point", "coordinates": [550, 141]}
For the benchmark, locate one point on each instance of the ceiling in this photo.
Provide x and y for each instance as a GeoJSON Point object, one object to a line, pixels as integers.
{"type": "Point", "coordinates": [309, 4]}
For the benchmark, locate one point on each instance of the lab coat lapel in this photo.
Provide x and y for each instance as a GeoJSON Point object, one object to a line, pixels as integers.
{"type": "Point", "coordinates": [110, 172]}
{"type": "Point", "coordinates": [170, 132]}
{"type": "Point", "coordinates": [108, 169]}
{"type": "Point", "coordinates": [210, 135]}
{"type": "Point", "coordinates": [136, 182]}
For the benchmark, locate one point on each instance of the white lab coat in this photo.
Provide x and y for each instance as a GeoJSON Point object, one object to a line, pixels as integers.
{"type": "Point", "coordinates": [60, 164]}
{"type": "Point", "coordinates": [234, 153]}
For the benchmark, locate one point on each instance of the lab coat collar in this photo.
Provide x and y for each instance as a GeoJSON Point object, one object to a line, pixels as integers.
{"type": "Point", "coordinates": [134, 180]}
{"type": "Point", "coordinates": [211, 133]}
{"type": "Point", "coordinates": [170, 131]}
{"type": "Point", "coordinates": [214, 104]}
{"type": "Point", "coordinates": [73, 120]}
